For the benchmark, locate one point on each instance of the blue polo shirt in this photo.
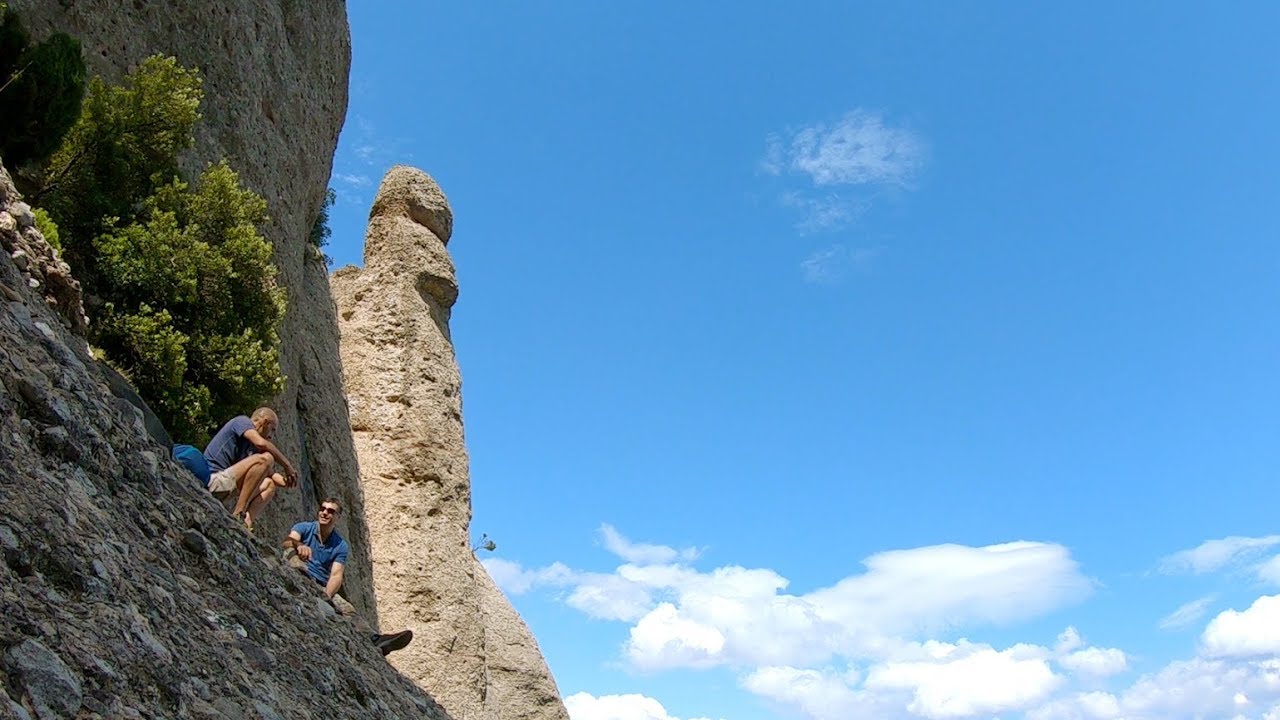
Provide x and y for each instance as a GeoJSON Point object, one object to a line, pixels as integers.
{"type": "Point", "coordinates": [323, 554]}
{"type": "Point", "coordinates": [229, 445]}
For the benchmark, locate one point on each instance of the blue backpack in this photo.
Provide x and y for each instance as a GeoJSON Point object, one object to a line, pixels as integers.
{"type": "Point", "coordinates": [191, 458]}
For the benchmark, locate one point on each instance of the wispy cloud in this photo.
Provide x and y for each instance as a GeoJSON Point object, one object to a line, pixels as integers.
{"type": "Point", "coordinates": [1214, 555]}
{"type": "Point", "coordinates": [1187, 614]}
{"type": "Point", "coordinates": [642, 553]}
{"type": "Point", "coordinates": [832, 264]}
{"type": "Point", "coordinates": [353, 180]}
{"type": "Point", "coordinates": [832, 173]}
{"type": "Point", "coordinates": [364, 153]}
{"type": "Point", "coordinates": [860, 149]}
{"type": "Point", "coordinates": [824, 212]}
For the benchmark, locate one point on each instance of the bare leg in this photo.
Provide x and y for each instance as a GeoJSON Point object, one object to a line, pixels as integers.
{"type": "Point", "coordinates": [249, 475]}
{"type": "Point", "coordinates": [266, 491]}
{"type": "Point", "coordinates": [348, 611]}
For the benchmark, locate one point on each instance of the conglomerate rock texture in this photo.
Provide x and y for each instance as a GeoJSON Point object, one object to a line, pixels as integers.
{"type": "Point", "coordinates": [275, 96]}
{"type": "Point", "coordinates": [471, 649]}
{"type": "Point", "coordinates": [126, 591]}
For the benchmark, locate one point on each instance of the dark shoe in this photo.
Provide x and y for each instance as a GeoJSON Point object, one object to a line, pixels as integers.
{"type": "Point", "coordinates": [392, 641]}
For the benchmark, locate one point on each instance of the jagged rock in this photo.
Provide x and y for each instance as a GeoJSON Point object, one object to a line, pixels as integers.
{"type": "Point", "coordinates": [275, 81]}
{"type": "Point", "coordinates": [36, 258]}
{"type": "Point", "coordinates": [106, 608]}
{"type": "Point", "coordinates": [404, 393]}
{"type": "Point", "coordinates": [48, 684]}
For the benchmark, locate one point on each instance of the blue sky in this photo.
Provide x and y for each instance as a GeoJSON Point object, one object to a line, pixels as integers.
{"type": "Point", "coordinates": [898, 360]}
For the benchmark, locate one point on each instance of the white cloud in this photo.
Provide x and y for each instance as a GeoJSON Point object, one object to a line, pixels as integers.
{"type": "Point", "coordinates": [608, 597]}
{"type": "Point", "coordinates": [1215, 554]}
{"type": "Point", "coordinates": [600, 595]}
{"type": "Point", "coordinates": [788, 645]}
{"type": "Point", "coordinates": [860, 149]}
{"type": "Point", "coordinates": [1187, 614]}
{"type": "Point", "coordinates": [1249, 633]}
{"type": "Point", "coordinates": [1269, 571]}
{"type": "Point", "coordinates": [832, 264]}
{"type": "Point", "coordinates": [826, 212]}
{"type": "Point", "coordinates": [739, 616]}
{"type": "Point", "coordinates": [515, 580]}
{"type": "Point", "coordinates": [819, 694]}
{"type": "Point", "coordinates": [840, 167]}
{"type": "Point", "coordinates": [1095, 661]}
{"type": "Point", "coordinates": [584, 706]}
{"type": "Point", "coordinates": [930, 588]}
{"type": "Point", "coordinates": [642, 553]}
{"type": "Point", "coordinates": [663, 638]}
{"type": "Point", "coordinates": [1068, 640]}
{"type": "Point", "coordinates": [1094, 705]}
{"type": "Point", "coordinates": [965, 680]}
{"type": "Point", "coordinates": [1201, 688]}
{"type": "Point", "coordinates": [353, 179]}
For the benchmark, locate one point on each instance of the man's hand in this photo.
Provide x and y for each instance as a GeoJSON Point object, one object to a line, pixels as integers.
{"type": "Point", "coordinates": [304, 552]}
{"type": "Point", "coordinates": [291, 475]}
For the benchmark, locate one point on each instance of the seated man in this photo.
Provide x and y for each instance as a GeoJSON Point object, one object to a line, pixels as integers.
{"type": "Point", "coordinates": [322, 555]}
{"type": "Point", "coordinates": [241, 457]}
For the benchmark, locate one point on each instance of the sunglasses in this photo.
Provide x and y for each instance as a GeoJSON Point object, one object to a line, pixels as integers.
{"type": "Point", "coordinates": [329, 510]}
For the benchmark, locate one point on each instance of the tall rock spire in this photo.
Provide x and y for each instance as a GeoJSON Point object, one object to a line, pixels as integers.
{"type": "Point", "coordinates": [471, 650]}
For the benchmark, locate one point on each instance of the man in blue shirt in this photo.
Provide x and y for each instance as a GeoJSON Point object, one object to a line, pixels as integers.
{"type": "Point", "coordinates": [321, 547]}
{"type": "Point", "coordinates": [241, 457]}
{"type": "Point", "coordinates": [322, 555]}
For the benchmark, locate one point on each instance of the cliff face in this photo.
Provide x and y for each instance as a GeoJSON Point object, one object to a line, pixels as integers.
{"type": "Point", "coordinates": [471, 649]}
{"type": "Point", "coordinates": [126, 591]}
{"type": "Point", "coordinates": [275, 74]}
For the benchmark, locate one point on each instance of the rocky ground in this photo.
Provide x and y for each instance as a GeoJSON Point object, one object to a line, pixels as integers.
{"type": "Point", "coordinates": [125, 590]}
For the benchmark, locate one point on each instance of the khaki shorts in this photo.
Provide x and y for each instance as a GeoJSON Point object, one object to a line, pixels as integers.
{"type": "Point", "coordinates": [222, 482]}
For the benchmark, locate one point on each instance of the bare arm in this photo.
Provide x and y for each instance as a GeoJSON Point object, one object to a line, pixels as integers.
{"type": "Point", "coordinates": [294, 541]}
{"type": "Point", "coordinates": [335, 580]}
{"type": "Point", "coordinates": [264, 445]}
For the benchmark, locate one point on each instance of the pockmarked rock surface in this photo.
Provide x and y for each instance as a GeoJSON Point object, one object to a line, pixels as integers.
{"type": "Point", "coordinates": [275, 96]}
{"type": "Point", "coordinates": [405, 396]}
{"type": "Point", "coordinates": [125, 590]}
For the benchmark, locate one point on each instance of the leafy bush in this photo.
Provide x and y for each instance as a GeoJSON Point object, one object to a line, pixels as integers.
{"type": "Point", "coordinates": [183, 289]}
{"type": "Point", "coordinates": [123, 147]}
{"type": "Point", "coordinates": [48, 228]}
{"type": "Point", "coordinates": [41, 90]}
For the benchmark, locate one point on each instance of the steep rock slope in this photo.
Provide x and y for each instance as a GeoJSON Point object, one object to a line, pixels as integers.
{"type": "Point", "coordinates": [472, 650]}
{"type": "Point", "coordinates": [275, 75]}
{"type": "Point", "coordinates": [125, 589]}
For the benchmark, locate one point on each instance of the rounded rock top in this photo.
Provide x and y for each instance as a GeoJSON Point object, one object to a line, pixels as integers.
{"type": "Point", "coordinates": [409, 192]}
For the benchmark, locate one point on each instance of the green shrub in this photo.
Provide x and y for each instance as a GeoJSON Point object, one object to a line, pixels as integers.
{"type": "Point", "coordinates": [48, 228]}
{"type": "Point", "coordinates": [186, 300]}
{"type": "Point", "coordinates": [41, 90]}
{"type": "Point", "coordinates": [124, 145]}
